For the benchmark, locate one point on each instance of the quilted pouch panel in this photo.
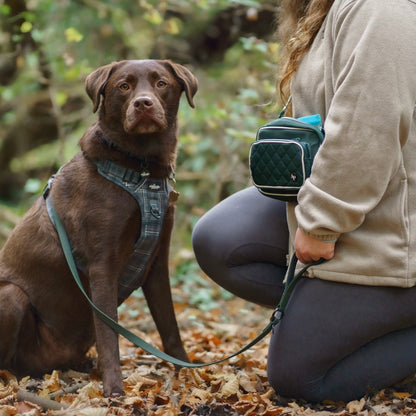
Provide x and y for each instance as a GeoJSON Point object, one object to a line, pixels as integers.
{"type": "Point", "coordinates": [279, 168]}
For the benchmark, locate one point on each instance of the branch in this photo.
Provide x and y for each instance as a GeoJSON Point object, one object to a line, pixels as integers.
{"type": "Point", "coordinates": [45, 404]}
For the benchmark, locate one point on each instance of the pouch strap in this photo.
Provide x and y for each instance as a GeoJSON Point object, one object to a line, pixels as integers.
{"type": "Point", "coordinates": [282, 113]}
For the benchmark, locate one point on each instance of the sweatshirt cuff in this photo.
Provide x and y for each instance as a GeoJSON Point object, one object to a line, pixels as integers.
{"type": "Point", "coordinates": [325, 237]}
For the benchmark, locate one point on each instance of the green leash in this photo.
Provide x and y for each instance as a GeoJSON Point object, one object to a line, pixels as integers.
{"type": "Point", "coordinates": [139, 342]}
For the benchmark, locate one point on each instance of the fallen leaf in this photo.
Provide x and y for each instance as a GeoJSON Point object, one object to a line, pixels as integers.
{"type": "Point", "coordinates": [243, 407]}
{"type": "Point", "coordinates": [52, 382]}
{"type": "Point", "coordinates": [28, 408]}
{"type": "Point", "coordinates": [137, 401]}
{"type": "Point", "coordinates": [7, 391]}
{"type": "Point", "coordinates": [202, 395]}
{"type": "Point", "coordinates": [136, 379]}
{"type": "Point", "coordinates": [87, 393]}
{"type": "Point", "coordinates": [6, 377]}
{"type": "Point", "coordinates": [272, 411]}
{"type": "Point", "coordinates": [93, 411]}
{"type": "Point", "coordinates": [401, 395]}
{"type": "Point", "coordinates": [168, 410]}
{"type": "Point", "coordinates": [247, 383]}
{"type": "Point", "coordinates": [7, 410]}
{"type": "Point", "coordinates": [232, 386]}
{"type": "Point", "coordinates": [355, 406]}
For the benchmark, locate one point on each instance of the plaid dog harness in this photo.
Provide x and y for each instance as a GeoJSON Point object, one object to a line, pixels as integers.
{"type": "Point", "coordinates": [152, 196]}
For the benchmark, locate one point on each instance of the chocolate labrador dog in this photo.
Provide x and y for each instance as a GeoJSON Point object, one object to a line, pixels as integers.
{"type": "Point", "coordinates": [45, 322]}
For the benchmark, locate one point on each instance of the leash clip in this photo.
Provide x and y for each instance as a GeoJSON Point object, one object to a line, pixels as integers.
{"type": "Point", "coordinates": [276, 317]}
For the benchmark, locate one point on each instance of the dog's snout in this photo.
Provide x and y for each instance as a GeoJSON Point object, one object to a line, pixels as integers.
{"type": "Point", "coordinates": [145, 114]}
{"type": "Point", "coordinates": [142, 103]}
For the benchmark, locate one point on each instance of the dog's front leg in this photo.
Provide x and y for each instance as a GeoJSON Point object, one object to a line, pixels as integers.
{"type": "Point", "coordinates": [104, 295]}
{"type": "Point", "coordinates": [159, 299]}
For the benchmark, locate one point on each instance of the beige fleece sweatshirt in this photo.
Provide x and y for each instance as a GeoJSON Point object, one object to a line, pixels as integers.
{"type": "Point", "coordinates": [360, 75]}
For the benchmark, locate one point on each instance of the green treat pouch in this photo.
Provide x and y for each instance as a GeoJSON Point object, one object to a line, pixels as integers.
{"type": "Point", "coordinates": [281, 158]}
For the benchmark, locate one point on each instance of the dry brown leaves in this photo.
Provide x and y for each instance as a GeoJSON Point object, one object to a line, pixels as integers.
{"type": "Point", "coordinates": [237, 387]}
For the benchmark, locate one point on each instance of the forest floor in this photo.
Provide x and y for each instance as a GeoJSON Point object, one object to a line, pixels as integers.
{"type": "Point", "coordinates": [153, 387]}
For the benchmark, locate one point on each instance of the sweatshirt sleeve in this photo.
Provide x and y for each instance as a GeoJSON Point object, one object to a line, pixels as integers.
{"type": "Point", "coordinates": [369, 117]}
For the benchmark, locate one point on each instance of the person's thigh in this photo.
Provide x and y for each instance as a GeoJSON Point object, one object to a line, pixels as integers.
{"type": "Point", "coordinates": [242, 244]}
{"type": "Point", "coordinates": [336, 340]}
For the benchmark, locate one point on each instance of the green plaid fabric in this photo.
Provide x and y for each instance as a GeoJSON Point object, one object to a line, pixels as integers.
{"type": "Point", "coordinates": [152, 196]}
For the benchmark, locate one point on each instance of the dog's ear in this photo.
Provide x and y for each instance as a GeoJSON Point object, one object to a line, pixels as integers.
{"type": "Point", "coordinates": [96, 82]}
{"type": "Point", "coordinates": [186, 79]}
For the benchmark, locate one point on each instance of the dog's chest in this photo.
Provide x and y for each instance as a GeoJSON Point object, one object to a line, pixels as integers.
{"type": "Point", "coordinates": [152, 196]}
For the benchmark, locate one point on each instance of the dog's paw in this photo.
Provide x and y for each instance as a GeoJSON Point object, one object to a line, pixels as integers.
{"type": "Point", "coordinates": [114, 395]}
{"type": "Point", "coordinates": [113, 392]}
{"type": "Point", "coordinates": [113, 387]}
{"type": "Point", "coordinates": [178, 352]}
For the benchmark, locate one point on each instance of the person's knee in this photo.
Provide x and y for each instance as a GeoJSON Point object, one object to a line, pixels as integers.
{"type": "Point", "coordinates": [289, 376]}
{"type": "Point", "coordinates": [283, 380]}
{"type": "Point", "coordinates": [293, 384]}
{"type": "Point", "coordinates": [200, 242]}
{"type": "Point", "coordinates": [198, 238]}
{"type": "Point", "coordinates": [208, 247]}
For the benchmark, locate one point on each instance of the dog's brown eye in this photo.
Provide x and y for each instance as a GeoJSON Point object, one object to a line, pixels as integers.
{"type": "Point", "coordinates": [124, 86]}
{"type": "Point", "coordinates": [161, 84]}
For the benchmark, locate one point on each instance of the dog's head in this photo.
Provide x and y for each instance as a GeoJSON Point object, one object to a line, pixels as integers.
{"type": "Point", "coordinates": [140, 97]}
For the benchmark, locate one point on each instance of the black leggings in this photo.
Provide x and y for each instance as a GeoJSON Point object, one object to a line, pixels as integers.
{"type": "Point", "coordinates": [335, 340]}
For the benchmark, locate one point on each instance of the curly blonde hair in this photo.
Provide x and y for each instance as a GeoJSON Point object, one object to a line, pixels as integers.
{"type": "Point", "coordinates": [299, 22]}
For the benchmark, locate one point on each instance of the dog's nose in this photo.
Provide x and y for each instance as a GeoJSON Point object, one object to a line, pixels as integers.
{"type": "Point", "coordinates": [142, 103]}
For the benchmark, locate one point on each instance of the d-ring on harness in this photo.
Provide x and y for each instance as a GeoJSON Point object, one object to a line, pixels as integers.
{"type": "Point", "coordinates": [128, 276]}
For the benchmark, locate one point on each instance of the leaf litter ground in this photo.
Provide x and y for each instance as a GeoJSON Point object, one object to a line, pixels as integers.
{"type": "Point", "coordinates": [153, 387]}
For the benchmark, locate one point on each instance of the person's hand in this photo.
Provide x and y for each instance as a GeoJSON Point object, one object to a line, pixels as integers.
{"type": "Point", "coordinates": [309, 249]}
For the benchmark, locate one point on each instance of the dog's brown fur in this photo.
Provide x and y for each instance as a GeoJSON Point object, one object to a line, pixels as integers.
{"type": "Point", "coordinates": [45, 322]}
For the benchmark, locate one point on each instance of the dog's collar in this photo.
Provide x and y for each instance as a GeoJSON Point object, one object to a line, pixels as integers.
{"type": "Point", "coordinates": [139, 161]}
{"type": "Point", "coordinates": [142, 163]}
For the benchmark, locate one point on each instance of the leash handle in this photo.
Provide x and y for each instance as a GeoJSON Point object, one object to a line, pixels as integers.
{"type": "Point", "coordinates": [291, 281]}
{"type": "Point", "coordinates": [139, 342]}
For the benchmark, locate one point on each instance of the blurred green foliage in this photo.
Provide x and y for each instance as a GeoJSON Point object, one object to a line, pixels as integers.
{"type": "Point", "coordinates": [65, 40]}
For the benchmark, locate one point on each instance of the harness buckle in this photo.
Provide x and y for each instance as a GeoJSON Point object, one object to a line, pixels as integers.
{"type": "Point", "coordinates": [154, 210]}
{"type": "Point", "coordinates": [48, 187]}
{"type": "Point", "coordinates": [171, 176]}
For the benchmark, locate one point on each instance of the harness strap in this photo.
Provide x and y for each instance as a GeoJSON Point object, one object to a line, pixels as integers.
{"type": "Point", "coordinates": [152, 195]}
